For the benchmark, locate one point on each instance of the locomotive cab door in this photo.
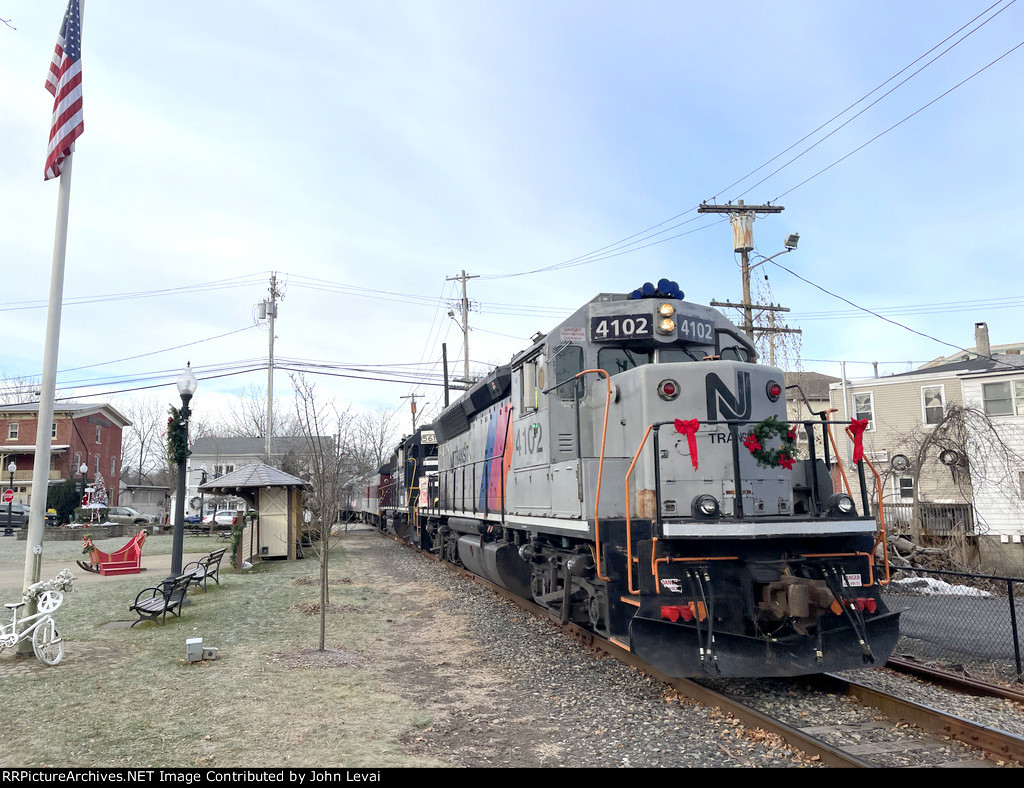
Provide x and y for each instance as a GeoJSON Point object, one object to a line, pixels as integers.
{"type": "Point", "coordinates": [529, 487]}
{"type": "Point", "coordinates": [564, 419]}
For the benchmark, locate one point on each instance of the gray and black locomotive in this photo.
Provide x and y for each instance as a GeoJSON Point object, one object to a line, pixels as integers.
{"type": "Point", "coordinates": [633, 471]}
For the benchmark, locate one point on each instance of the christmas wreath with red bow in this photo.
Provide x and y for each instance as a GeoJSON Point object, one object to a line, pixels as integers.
{"type": "Point", "coordinates": [758, 439]}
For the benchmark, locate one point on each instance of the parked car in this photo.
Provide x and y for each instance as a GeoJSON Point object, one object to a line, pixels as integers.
{"type": "Point", "coordinates": [19, 515]}
{"type": "Point", "coordinates": [223, 517]}
{"type": "Point", "coordinates": [193, 519]}
{"type": "Point", "coordinates": [127, 516]}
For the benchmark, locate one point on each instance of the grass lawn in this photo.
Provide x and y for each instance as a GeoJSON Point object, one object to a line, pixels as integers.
{"type": "Point", "coordinates": [127, 697]}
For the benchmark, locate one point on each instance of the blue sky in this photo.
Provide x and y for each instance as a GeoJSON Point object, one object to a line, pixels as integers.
{"type": "Point", "coordinates": [369, 151]}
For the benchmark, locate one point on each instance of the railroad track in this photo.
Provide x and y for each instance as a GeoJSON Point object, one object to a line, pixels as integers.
{"type": "Point", "coordinates": [895, 731]}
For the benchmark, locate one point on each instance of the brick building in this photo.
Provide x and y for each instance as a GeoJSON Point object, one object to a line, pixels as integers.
{"type": "Point", "coordinates": [81, 433]}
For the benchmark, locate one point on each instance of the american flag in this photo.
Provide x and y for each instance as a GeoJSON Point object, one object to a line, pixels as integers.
{"type": "Point", "coordinates": [65, 83]}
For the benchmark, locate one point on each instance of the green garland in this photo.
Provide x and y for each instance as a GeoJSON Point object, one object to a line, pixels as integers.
{"type": "Point", "coordinates": [236, 538]}
{"type": "Point", "coordinates": [177, 438]}
{"type": "Point", "coordinates": [757, 443]}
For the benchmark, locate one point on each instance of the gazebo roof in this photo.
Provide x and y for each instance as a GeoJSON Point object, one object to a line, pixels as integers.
{"type": "Point", "coordinates": [250, 477]}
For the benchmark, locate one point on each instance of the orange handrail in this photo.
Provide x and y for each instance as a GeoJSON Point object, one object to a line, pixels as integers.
{"type": "Point", "coordinates": [882, 532]}
{"type": "Point", "coordinates": [871, 567]}
{"type": "Point", "coordinates": [835, 451]}
{"type": "Point", "coordinates": [629, 520]}
{"type": "Point", "coordinates": [668, 560]}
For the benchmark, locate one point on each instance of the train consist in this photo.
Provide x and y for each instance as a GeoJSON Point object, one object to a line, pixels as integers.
{"type": "Point", "coordinates": [633, 471]}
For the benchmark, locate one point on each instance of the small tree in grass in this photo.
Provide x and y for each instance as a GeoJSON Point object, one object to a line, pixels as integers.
{"type": "Point", "coordinates": [326, 428]}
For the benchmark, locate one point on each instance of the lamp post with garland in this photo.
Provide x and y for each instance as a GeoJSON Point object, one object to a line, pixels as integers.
{"type": "Point", "coordinates": [177, 453]}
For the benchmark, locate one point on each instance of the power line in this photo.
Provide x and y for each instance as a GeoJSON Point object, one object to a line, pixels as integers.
{"type": "Point", "coordinates": [221, 284]}
{"type": "Point", "coordinates": [888, 320]}
{"type": "Point", "coordinates": [901, 122]}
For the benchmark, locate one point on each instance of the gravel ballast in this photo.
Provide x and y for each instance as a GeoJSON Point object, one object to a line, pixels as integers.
{"type": "Point", "coordinates": [503, 688]}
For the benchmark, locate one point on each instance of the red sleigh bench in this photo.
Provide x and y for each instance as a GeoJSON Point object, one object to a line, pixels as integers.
{"type": "Point", "coordinates": [126, 561]}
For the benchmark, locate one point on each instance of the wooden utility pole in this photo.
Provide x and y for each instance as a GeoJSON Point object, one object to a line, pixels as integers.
{"type": "Point", "coordinates": [270, 305]}
{"type": "Point", "coordinates": [412, 407]}
{"type": "Point", "coordinates": [444, 363]}
{"type": "Point", "coordinates": [741, 216]}
{"type": "Point", "coordinates": [465, 321]}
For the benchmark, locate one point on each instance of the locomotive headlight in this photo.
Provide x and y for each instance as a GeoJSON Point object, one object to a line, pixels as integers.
{"type": "Point", "coordinates": [704, 507]}
{"type": "Point", "coordinates": [668, 390]}
{"type": "Point", "coordinates": [666, 310]}
{"type": "Point", "coordinates": [841, 505]}
{"type": "Point", "coordinates": [667, 326]}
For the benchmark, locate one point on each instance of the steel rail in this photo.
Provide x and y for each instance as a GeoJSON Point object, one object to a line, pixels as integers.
{"type": "Point", "coordinates": [992, 741]}
{"type": "Point", "coordinates": [807, 744]}
{"type": "Point", "coordinates": [1001, 744]}
{"type": "Point", "coordinates": [956, 682]}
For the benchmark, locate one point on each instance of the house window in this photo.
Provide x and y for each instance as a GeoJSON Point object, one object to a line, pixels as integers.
{"type": "Point", "coordinates": [906, 488]}
{"type": "Point", "coordinates": [933, 402]}
{"type": "Point", "coordinates": [1004, 399]}
{"type": "Point", "coordinates": [53, 430]}
{"type": "Point", "coordinates": [113, 465]}
{"type": "Point", "coordinates": [864, 408]}
{"type": "Point", "coordinates": [12, 431]}
{"type": "Point", "coordinates": [96, 465]}
{"type": "Point", "coordinates": [98, 435]}
{"type": "Point", "coordinates": [229, 468]}
{"type": "Point", "coordinates": [78, 461]}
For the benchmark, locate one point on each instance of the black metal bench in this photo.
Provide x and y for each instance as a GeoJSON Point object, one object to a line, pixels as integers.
{"type": "Point", "coordinates": [169, 596]}
{"type": "Point", "coordinates": [206, 568]}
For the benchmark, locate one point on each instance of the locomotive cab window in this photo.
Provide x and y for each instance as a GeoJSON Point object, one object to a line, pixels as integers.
{"type": "Point", "coordinates": [614, 360]}
{"type": "Point", "coordinates": [676, 355]}
{"type": "Point", "coordinates": [568, 362]}
{"type": "Point", "coordinates": [735, 353]}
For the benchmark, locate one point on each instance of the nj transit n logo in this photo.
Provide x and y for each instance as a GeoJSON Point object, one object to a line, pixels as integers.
{"type": "Point", "coordinates": [720, 397]}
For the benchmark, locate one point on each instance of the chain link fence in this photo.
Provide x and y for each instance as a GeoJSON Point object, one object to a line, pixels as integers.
{"type": "Point", "coordinates": [960, 622]}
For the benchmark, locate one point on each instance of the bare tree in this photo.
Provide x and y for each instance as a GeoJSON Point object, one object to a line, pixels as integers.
{"type": "Point", "coordinates": [976, 453]}
{"type": "Point", "coordinates": [329, 465]}
{"type": "Point", "coordinates": [249, 417]}
{"type": "Point", "coordinates": [376, 433]}
{"type": "Point", "coordinates": [14, 391]}
{"type": "Point", "coordinates": [142, 452]}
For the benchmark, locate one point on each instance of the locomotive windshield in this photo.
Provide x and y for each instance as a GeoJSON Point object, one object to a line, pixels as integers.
{"type": "Point", "coordinates": [614, 360]}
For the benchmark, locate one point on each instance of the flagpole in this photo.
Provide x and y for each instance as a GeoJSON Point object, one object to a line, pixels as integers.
{"type": "Point", "coordinates": [41, 464]}
{"type": "Point", "coordinates": [48, 387]}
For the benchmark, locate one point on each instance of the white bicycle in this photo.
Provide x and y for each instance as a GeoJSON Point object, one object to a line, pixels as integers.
{"type": "Point", "coordinates": [47, 643]}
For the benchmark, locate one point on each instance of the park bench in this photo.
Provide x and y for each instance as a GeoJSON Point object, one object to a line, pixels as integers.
{"type": "Point", "coordinates": [206, 568]}
{"type": "Point", "coordinates": [126, 561]}
{"type": "Point", "coordinates": [169, 596]}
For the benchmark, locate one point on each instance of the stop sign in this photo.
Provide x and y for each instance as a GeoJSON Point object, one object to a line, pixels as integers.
{"type": "Point", "coordinates": [8, 495]}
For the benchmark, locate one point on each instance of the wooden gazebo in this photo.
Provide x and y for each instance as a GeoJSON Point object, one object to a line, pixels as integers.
{"type": "Point", "coordinates": [277, 497]}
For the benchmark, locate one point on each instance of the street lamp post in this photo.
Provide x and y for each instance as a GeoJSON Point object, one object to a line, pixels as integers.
{"type": "Point", "coordinates": [83, 469]}
{"type": "Point", "coordinates": [10, 528]}
{"type": "Point", "coordinates": [202, 493]}
{"type": "Point", "coordinates": [187, 385]}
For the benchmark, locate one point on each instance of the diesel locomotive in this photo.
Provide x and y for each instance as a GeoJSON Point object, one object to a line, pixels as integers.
{"type": "Point", "coordinates": [633, 471]}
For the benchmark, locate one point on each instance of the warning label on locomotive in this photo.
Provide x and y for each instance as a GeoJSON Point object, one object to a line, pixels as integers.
{"type": "Point", "coordinates": [612, 327]}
